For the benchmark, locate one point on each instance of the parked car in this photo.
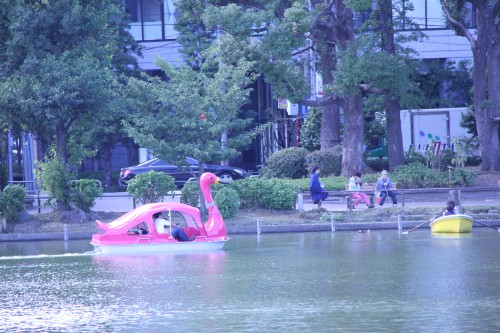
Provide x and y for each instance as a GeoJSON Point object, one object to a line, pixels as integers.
{"type": "Point", "coordinates": [181, 174]}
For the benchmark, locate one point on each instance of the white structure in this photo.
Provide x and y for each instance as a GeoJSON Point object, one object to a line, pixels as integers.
{"type": "Point", "coordinates": [425, 127]}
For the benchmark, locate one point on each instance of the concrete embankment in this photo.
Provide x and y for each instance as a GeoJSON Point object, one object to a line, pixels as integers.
{"type": "Point", "coordinates": [122, 202]}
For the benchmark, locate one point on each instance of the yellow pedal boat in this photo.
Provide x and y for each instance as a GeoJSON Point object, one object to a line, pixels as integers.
{"type": "Point", "coordinates": [457, 223]}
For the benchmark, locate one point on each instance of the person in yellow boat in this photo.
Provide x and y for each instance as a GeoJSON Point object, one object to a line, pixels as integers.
{"type": "Point", "coordinates": [450, 208]}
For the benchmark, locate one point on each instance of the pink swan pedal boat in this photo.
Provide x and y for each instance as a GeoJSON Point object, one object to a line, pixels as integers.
{"type": "Point", "coordinates": [135, 231]}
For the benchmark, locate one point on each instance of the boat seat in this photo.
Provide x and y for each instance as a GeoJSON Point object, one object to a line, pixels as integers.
{"type": "Point", "coordinates": [190, 231]}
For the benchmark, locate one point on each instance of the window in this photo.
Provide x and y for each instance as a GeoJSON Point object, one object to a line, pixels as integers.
{"type": "Point", "coordinates": [428, 14]}
{"type": "Point", "coordinates": [139, 229]}
{"type": "Point", "coordinates": [152, 19]}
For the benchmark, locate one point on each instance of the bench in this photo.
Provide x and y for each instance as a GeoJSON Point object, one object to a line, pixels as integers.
{"type": "Point", "coordinates": [340, 195]}
{"type": "Point", "coordinates": [369, 189]}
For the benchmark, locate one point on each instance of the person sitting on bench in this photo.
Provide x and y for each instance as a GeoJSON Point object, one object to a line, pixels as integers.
{"type": "Point", "coordinates": [355, 183]}
{"type": "Point", "coordinates": [384, 185]}
{"type": "Point", "coordinates": [316, 188]}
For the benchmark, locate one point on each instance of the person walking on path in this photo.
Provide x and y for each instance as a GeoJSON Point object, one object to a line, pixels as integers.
{"type": "Point", "coordinates": [316, 188]}
{"type": "Point", "coordinates": [384, 185]}
{"type": "Point", "coordinates": [355, 183]}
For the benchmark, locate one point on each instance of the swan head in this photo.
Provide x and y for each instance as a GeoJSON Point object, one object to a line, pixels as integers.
{"type": "Point", "coordinates": [208, 179]}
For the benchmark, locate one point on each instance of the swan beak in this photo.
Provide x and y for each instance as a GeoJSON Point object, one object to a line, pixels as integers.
{"type": "Point", "coordinates": [219, 181]}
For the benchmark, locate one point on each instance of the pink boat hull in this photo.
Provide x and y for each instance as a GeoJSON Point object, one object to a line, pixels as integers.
{"type": "Point", "coordinates": [153, 248]}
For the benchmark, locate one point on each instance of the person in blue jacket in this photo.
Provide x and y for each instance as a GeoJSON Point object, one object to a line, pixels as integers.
{"type": "Point", "coordinates": [316, 188]}
{"type": "Point", "coordinates": [384, 185]}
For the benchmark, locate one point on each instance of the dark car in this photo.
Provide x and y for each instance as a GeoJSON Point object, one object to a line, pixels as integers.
{"type": "Point", "coordinates": [181, 174]}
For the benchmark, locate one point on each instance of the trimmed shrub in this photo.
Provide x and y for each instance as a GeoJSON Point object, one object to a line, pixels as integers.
{"type": "Point", "coordinates": [227, 200]}
{"type": "Point", "coordinates": [456, 178]}
{"type": "Point", "coordinates": [414, 175]}
{"type": "Point", "coordinates": [249, 190]}
{"type": "Point", "coordinates": [411, 156]}
{"type": "Point", "coordinates": [190, 194]}
{"type": "Point", "coordinates": [83, 194]}
{"type": "Point", "coordinates": [443, 160]}
{"type": "Point", "coordinates": [286, 163]}
{"type": "Point", "coordinates": [329, 161]}
{"type": "Point", "coordinates": [369, 178]}
{"type": "Point", "coordinates": [282, 195]}
{"type": "Point", "coordinates": [11, 202]}
{"type": "Point", "coordinates": [378, 164]}
{"type": "Point", "coordinates": [151, 187]}
{"type": "Point", "coordinates": [275, 193]}
{"type": "Point", "coordinates": [55, 179]}
{"type": "Point", "coordinates": [331, 183]}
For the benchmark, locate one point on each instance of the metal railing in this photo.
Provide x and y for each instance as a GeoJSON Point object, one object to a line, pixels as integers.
{"type": "Point", "coordinates": [32, 190]}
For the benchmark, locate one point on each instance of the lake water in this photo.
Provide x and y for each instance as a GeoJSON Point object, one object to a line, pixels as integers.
{"type": "Point", "coordinates": [379, 281]}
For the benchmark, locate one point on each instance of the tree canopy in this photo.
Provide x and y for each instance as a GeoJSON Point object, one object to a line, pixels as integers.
{"type": "Point", "coordinates": [191, 112]}
{"type": "Point", "coordinates": [61, 63]}
{"type": "Point", "coordinates": [61, 58]}
{"type": "Point", "coordinates": [285, 39]}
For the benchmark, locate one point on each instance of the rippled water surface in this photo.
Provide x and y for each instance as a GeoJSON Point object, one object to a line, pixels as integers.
{"type": "Point", "coordinates": [313, 282]}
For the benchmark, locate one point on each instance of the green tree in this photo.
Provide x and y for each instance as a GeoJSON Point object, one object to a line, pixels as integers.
{"type": "Point", "coordinates": [61, 61]}
{"type": "Point", "coordinates": [486, 69]}
{"type": "Point", "coordinates": [194, 113]}
{"type": "Point", "coordinates": [310, 132]}
{"type": "Point", "coordinates": [451, 79]}
{"type": "Point", "coordinates": [54, 178]}
{"type": "Point", "coordinates": [291, 36]}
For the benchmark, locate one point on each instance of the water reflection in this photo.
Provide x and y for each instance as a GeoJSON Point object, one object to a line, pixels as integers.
{"type": "Point", "coordinates": [314, 282]}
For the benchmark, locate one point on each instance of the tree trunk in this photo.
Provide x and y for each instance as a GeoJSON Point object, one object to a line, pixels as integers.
{"type": "Point", "coordinates": [330, 126]}
{"type": "Point", "coordinates": [354, 137]}
{"type": "Point", "coordinates": [106, 159]}
{"type": "Point", "coordinates": [61, 135]}
{"type": "Point", "coordinates": [394, 134]}
{"type": "Point", "coordinates": [486, 54]}
{"type": "Point", "coordinates": [330, 120]}
{"type": "Point", "coordinates": [392, 106]}
{"type": "Point", "coordinates": [486, 90]}
{"type": "Point", "coordinates": [494, 86]}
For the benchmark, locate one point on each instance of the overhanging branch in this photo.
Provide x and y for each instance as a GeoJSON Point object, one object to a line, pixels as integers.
{"type": "Point", "coordinates": [301, 50]}
{"type": "Point", "coordinates": [495, 12]}
{"type": "Point", "coordinates": [457, 25]}
{"type": "Point", "coordinates": [366, 88]}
